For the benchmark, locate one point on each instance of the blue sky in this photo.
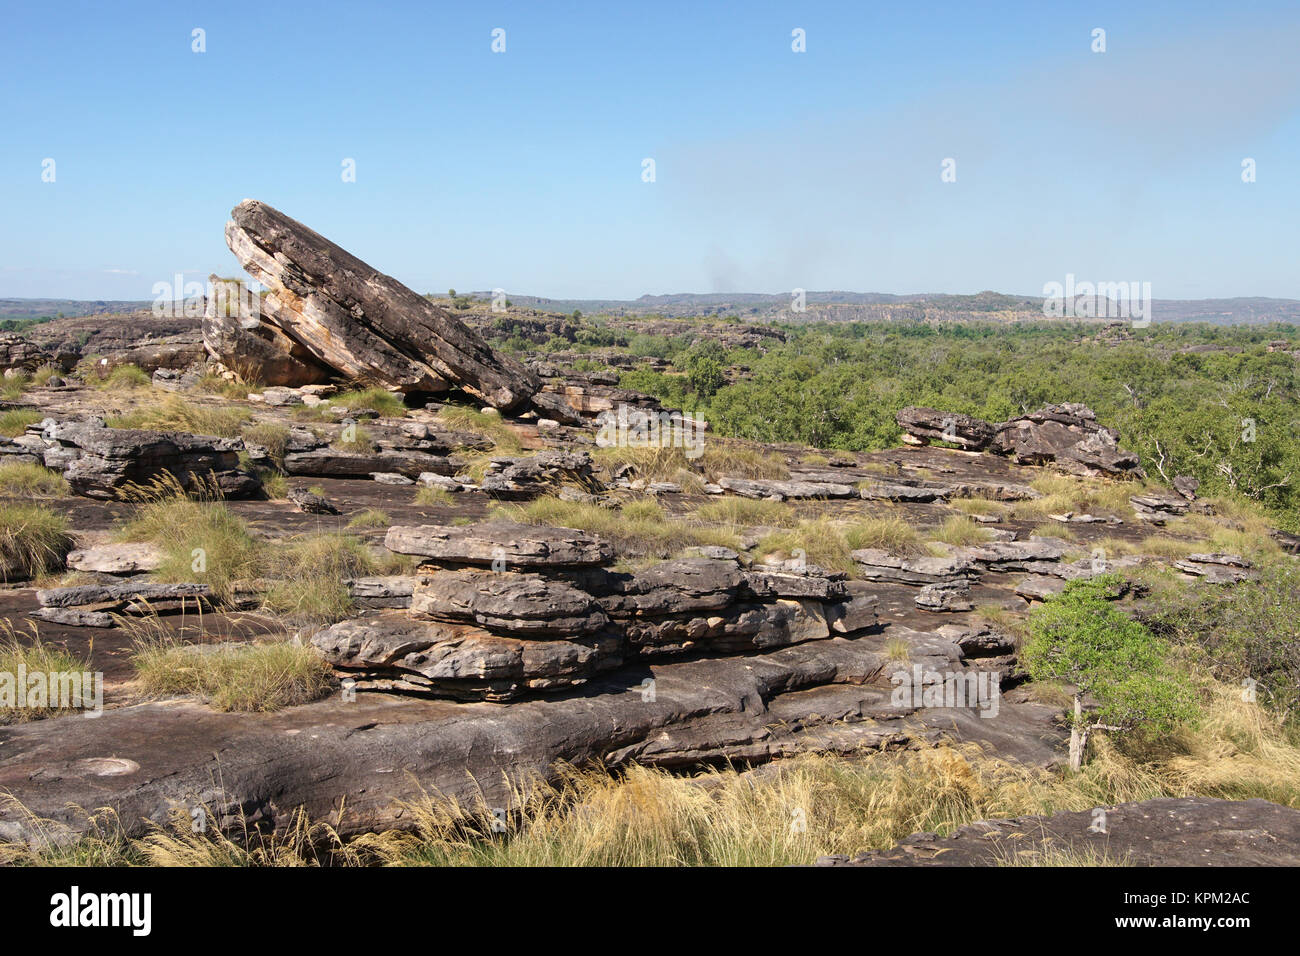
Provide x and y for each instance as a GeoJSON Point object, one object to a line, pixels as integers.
{"type": "Point", "coordinates": [774, 169]}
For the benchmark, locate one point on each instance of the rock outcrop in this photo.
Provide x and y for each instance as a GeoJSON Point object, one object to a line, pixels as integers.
{"type": "Point", "coordinates": [101, 462]}
{"type": "Point", "coordinates": [19, 353]}
{"type": "Point", "coordinates": [340, 313]}
{"type": "Point", "coordinates": [1067, 436]}
{"type": "Point", "coordinates": [551, 614]}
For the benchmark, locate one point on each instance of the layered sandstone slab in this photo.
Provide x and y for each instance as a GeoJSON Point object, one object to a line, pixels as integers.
{"type": "Point", "coordinates": [101, 462]}
{"type": "Point", "coordinates": [514, 545]}
{"type": "Point", "coordinates": [347, 316]}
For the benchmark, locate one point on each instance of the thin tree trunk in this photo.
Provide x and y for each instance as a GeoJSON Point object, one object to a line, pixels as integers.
{"type": "Point", "coordinates": [1076, 735]}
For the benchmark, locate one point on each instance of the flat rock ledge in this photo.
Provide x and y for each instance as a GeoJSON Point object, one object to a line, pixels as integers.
{"type": "Point", "coordinates": [1186, 831]}
{"type": "Point", "coordinates": [352, 760]}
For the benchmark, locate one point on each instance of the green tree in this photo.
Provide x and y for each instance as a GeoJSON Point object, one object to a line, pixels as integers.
{"type": "Point", "coordinates": [1081, 638]}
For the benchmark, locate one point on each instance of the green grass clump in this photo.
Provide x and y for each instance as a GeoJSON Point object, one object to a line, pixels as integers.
{"type": "Point", "coordinates": [821, 542]}
{"type": "Point", "coordinates": [23, 479]}
{"type": "Point", "coordinates": [15, 421]}
{"type": "Point", "coordinates": [41, 377]}
{"type": "Point", "coordinates": [370, 518]}
{"type": "Point", "coordinates": [433, 496]}
{"type": "Point", "coordinates": [270, 435]}
{"type": "Point", "coordinates": [310, 572]}
{"type": "Point", "coordinates": [13, 386]}
{"type": "Point", "coordinates": [26, 651]}
{"type": "Point", "coordinates": [258, 677]}
{"type": "Point", "coordinates": [747, 512]}
{"type": "Point", "coordinates": [641, 527]}
{"type": "Point", "coordinates": [201, 540]}
{"type": "Point", "coordinates": [175, 414]}
{"type": "Point", "coordinates": [890, 534]}
{"type": "Point", "coordinates": [33, 540]}
{"type": "Point", "coordinates": [466, 419]}
{"type": "Point", "coordinates": [960, 531]}
{"type": "Point", "coordinates": [381, 400]}
{"type": "Point", "coordinates": [111, 377]}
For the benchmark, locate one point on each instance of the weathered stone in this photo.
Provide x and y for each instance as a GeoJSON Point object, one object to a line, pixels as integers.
{"type": "Point", "coordinates": [102, 594]}
{"type": "Point", "coordinates": [953, 596]}
{"type": "Point", "coordinates": [859, 612]}
{"type": "Point", "coordinates": [458, 660]}
{"type": "Point", "coordinates": [524, 605]}
{"type": "Point", "coordinates": [929, 424]}
{"type": "Point", "coordinates": [393, 590]}
{"type": "Point", "coordinates": [311, 503]}
{"type": "Point", "coordinates": [330, 463]}
{"type": "Point", "coordinates": [533, 475]}
{"type": "Point", "coordinates": [885, 491]}
{"type": "Point", "coordinates": [1015, 555]}
{"type": "Point", "coordinates": [122, 559]}
{"type": "Point", "coordinates": [101, 462]}
{"type": "Point", "coordinates": [367, 326]}
{"type": "Point", "coordinates": [768, 488]}
{"type": "Point", "coordinates": [22, 354]}
{"type": "Point", "coordinates": [687, 585]}
{"type": "Point", "coordinates": [1187, 486]}
{"type": "Point", "coordinates": [1166, 831]}
{"type": "Point", "coordinates": [1069, 437]}
{"type": "Point", "coordinates": [1039, 587]}
{"type": "Point", "coordinates": [515, 545]}
{"type": "Point", "coordinates": [875, 564]}
{"type": "Point", "coordinates": [73, 617]}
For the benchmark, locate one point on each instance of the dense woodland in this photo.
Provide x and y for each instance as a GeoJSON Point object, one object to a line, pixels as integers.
{"type": "Point", "coordinates": [1208, 401]}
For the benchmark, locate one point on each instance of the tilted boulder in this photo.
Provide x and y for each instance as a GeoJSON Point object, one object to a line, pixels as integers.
{"type": "Point", "coordinates": [257, 351]}
{"type": "Point", "coordinates": [875, 564]}
{"type": "Point", "coordinates": [367, 326]}
{"type": "Point", "coordinates": [392, 651]}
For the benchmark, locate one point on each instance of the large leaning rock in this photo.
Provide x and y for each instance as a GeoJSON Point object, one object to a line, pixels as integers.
{"type": "Point", "coordinates": [348, 316]}
{"type": "Point", "coordinates": [256, 350]}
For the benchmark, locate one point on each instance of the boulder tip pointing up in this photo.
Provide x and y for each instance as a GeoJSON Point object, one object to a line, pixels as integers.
{"type": "Point", "coordinates": [326, 308]}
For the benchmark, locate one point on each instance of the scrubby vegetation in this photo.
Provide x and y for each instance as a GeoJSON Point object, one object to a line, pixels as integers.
{"type": "Point", "coordinates": [1208, 401]}
{"type": "Point", "coordinates": [261, 676]}
{"type": "Point", "coordinates": [33, 540]}
{"type": "Point", "coordinates": [21, 479]}
{"type": "Point", "coordinates": [15, 421]}
{"type": "Point", "coordinates": [178, 414]}
{"type": "Point", "coordinates": [25, 652]}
